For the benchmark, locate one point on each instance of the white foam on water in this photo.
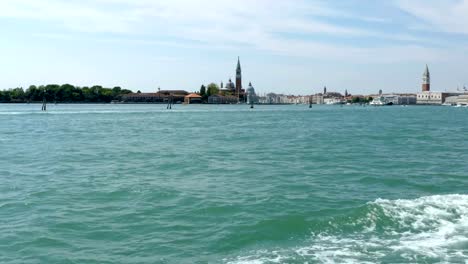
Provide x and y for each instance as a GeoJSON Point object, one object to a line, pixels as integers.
{"type": "Point", "coordinates": [260, 257]}
{"type": "Point", "coordinates": [437, 225]}
{"type": "Point", "coordinates": [428, 229]}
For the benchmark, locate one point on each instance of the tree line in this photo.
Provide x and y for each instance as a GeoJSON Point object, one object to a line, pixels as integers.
{"type": "Point", "coordinates": [65, 93]}
{"type": "Point", "coordinates": [207, 91]}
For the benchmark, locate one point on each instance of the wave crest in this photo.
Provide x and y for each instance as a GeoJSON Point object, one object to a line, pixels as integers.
{"type": "Point", "coordinates": [428, 229]}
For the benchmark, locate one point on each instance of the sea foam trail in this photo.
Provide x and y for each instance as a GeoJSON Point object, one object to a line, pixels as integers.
{"type": "Point", "coordinates": [431, 229]}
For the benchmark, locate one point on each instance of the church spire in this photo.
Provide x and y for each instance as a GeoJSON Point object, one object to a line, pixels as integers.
{"type": "Point", "coordinates": [426, 86]}
{"type": "Point", "coordinates": [238, 77]}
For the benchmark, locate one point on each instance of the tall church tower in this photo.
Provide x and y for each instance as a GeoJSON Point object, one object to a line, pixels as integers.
{"type": "Point", "coordinates": [426, 85]}
{"type": "Point", "coordinates": [238, 77]}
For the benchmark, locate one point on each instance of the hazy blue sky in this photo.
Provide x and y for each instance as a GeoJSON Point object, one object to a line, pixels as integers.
{"type": "Point", "coordinates": [293, 46]}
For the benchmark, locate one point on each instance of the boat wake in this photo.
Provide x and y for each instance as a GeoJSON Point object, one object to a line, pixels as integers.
{"type": "Point", "coordinates": [425, 230]}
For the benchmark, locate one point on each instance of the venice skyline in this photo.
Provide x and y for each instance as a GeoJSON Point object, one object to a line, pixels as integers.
{"type": "Point", "coordinates": [293, 48]}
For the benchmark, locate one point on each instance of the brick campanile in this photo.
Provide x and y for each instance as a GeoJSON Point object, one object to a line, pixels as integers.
{"type": "Point", "coordinates": [238, 77]}
{"type": "Point", "coordinates": [426, 85]}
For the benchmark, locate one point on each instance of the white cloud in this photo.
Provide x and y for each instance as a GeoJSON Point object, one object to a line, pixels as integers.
{"type": "Point", "coordinates": [263, 25]}
{"type": "Point", "coordinates": [126, 16]}
{"type": "Point", "coordinates": [441, 15]}
{"type": "Point", "coordinates": [68, 14]}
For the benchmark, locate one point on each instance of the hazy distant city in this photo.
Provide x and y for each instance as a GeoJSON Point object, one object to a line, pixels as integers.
{"type": "Point", "coordinates": [233, 93]}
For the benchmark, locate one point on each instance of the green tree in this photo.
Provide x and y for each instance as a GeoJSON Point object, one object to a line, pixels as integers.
{"type": "Point", "coordinates": [17, 95]}
{"type": "Point", "coordinates": [116, 91]}
{"type": "Point", "coordinates": [202, 90]}
{"type": "Point", "coordinates": [88, 95]}
{"type": "Point", "coordinates": [212, 89]}
{"type": "Point", "coordinates": [106, 95]}
{"type": "Point", "coordinates": [203, 94]}
{"type": "Point", "coordinates": [5, 96]}
{"type": "Point", "coordinates": [52, 92]}
{"type": "Point", "coordinates": [126, 91]}
{"type": "Point", "coordinates": [63, 93]}
{"type": "Point", "coordinates": [33, 94]}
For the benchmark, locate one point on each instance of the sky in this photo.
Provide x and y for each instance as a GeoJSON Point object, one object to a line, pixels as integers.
{"type": "Point", "coordinates": [291, 47]}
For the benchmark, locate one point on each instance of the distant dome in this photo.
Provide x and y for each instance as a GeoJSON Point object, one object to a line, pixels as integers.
{"type": "Point", "coordinates": [230, 85]}
{"type": "Point", "coordinates": [250, 90]}
{"type": "Point", "coordinates": [251, 96]}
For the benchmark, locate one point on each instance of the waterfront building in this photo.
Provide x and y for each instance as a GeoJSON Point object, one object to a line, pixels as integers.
{"type": "Point", "coordinates": [251, 95]}
{"type": "Point", "coordinates": [318, 99]}
{"type": "Point", "coordinates": [163, 96]}
{"type": "Point", "coordinates": [461, 100]}
{"type": "Point", "coordinates": [302, 99]}
{"type": "Point", "coordinates": [434, 98]}
{"type": "Point", "coordinates": [428, 97]}
{"type": "Point", "coordinates": [273, 98]}
{"type": "Point", "coordinates": [222, 99]}
{"type": "Point", "coordinates": [193, 98]}
{"type": "Point", "coordinates": [399, 99]}
{"type": "Point", "coordinates": [406, 99]}
{"type": "Point", "coordinates": [215, 99]}
{"type": "Point", "coordinates": [327, 97]}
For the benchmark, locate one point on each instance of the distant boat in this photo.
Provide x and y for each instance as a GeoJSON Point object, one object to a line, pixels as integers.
{"type": "Point", "coordinates": [378, 102]}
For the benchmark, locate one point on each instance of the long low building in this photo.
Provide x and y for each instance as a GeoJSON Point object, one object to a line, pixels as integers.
{"type": "Point", "coordinates": [222, 99]}
{"type": "Point", "coordinates": [163, 96]}
{"type": "Point", "coordinates": [434, 98]}
{"type": "Point", "coordinates": [457, 100]}
{"type": "Point", "coordinates": [400, 99]}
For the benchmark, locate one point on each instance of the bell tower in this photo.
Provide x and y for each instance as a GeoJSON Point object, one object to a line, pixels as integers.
{"type": "Point", "coordinates": [238, 77]}
{"type": "Point", "coordinates": [426, 85]}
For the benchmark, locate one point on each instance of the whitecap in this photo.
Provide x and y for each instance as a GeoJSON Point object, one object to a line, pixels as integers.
{"type": "Point", "coordinates": [427, 229]}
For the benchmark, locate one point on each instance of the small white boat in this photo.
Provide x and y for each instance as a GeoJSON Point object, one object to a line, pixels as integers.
{"type": "Point", "coordinates": [378, 102]}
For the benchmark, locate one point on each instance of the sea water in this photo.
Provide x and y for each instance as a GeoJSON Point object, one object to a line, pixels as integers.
{"type": "Point", "coordinates": [229, 184]}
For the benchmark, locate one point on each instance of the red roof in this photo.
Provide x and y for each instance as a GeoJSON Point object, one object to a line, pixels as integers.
{"type": "Point", "coordinates": [193, 95]}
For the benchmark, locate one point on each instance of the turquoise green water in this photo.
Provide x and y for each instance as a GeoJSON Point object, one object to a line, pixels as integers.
{"type": "Point", "coordinates": [224, 184]}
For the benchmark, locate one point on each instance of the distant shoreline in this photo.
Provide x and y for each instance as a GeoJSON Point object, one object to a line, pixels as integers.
{"type": "Point", "coordinates": [153, 103]}
{"type": "Point", "coordinates": [123, 103]}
